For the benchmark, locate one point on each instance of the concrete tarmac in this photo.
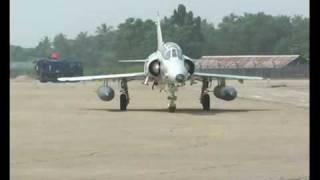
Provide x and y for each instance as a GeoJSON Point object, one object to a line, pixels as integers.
{"type": "Point", "coordinates": [64, 131]}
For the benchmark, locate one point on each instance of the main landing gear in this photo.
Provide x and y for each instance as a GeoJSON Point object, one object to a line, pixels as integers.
{"type": "Point", "coordinates": [124, 95]}
{"type": "Point", "coordinates": [205, 97]}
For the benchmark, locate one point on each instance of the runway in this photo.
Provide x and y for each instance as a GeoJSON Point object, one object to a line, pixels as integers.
{"type": "Point", "coordinates": [64, 131]}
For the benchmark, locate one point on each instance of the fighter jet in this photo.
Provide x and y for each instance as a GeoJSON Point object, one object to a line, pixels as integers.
{"type": "Point", "coordinates": [167, 68]}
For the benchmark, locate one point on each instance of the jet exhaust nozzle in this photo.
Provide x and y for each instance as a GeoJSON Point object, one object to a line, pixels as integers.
{"type": "Point", "coordinates": [105, 93]}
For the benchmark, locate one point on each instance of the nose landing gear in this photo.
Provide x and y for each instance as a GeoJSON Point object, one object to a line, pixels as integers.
{"type": "Point", "coordinates": [172, 106]}
{"type": "Point", "coordinates": [172, 97]}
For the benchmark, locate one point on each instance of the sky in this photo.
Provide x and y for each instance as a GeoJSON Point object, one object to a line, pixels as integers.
{"type": "Point", "coordinates": [31, 20]}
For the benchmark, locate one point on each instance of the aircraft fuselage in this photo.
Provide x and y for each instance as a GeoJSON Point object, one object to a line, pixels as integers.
{"type": "Point", "coordinates": [169, 61]}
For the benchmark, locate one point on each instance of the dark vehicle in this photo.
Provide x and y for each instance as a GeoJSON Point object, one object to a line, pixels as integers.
{"type": "Point", "coordinates": [51, 69]}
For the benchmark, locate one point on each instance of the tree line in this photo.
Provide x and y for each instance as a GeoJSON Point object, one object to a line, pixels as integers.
{"type": "Point", "coordinates": [135, 38]}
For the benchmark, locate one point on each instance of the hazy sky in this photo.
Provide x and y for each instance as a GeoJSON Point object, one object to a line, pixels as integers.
{"type": "Point", "coordinates": [31, 20]}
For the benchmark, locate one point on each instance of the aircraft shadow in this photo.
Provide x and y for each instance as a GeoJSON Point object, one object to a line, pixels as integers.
{"type": "Point", "coordinates": [193, 111]}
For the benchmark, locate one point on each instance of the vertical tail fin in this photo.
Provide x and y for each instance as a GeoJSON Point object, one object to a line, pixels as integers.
{"type": "Point", "coordinates": [159, 33]}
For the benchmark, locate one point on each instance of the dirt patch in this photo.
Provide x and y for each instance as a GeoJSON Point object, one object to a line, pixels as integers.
{"type": "Point", "coordinates": [63, 131]}
{"type": "Point", "coordinates": [23, 78]}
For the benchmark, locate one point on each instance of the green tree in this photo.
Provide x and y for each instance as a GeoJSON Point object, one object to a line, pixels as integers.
{"type": "Point", "coordinates": [249, 33]}
{"type": "Point", "coordinates": [185, 30]}
{"type": "Point", "coordinates": [62, 45]}
{"type": "Point", "coordinates": [44, 48]}
{"type": "Point", "coordinates": [299, 40]}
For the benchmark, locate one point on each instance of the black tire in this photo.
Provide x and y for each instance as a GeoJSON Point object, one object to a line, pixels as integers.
{"type": "Point", "coordinates": [123, 102]}
{"type": "Point", "coordinates": [172, 108]}
{"type": "Point", "coordinates": [205, 101]}
{"type": "Point", "coordinates": [43, 79]}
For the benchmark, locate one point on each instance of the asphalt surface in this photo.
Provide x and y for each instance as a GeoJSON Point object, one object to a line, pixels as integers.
{"type": "Point", "coordinates": [64, 131]}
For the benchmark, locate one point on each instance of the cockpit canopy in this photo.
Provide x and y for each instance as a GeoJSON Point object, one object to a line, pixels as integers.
{"type": "Point", "coordinates": [171, 50]}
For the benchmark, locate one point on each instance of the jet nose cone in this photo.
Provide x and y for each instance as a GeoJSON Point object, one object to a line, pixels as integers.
{"type": "Point", "coordinates": [180, 78]}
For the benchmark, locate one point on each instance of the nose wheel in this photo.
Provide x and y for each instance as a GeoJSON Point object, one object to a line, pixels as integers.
{"type": "Point", "coordinates": [172, 98]}
{"type": "Point", "coordinates": [172, 108]}
{"type": "Point", "coordinates": [172, 105]}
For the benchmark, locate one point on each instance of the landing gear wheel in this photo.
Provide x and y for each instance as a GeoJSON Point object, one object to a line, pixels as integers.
{"type": "Point", "coordinates": [205, 101]}
{"type": "Point", "coordinates": [172, 108]}
{"type": "Point", "coordinates": [123, 102]}
{"type": "Point", "coordinates": [43, 79]}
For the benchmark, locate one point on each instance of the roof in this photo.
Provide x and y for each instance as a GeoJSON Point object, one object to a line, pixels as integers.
{"type": "Point", "coordinates": [245, 61]}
